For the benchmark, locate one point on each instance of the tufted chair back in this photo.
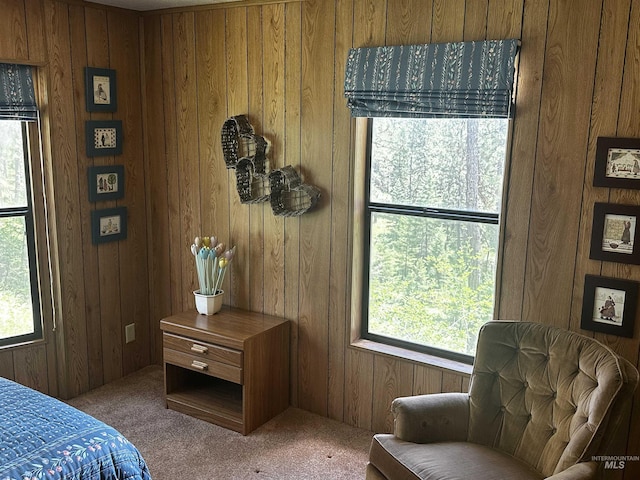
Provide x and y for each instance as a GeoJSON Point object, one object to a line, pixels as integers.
{"type": "Point", "coordinates": [544, 395]}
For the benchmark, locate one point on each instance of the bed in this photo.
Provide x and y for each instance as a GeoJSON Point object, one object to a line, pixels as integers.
{"type": "Point", "coordinates": [44, 438]}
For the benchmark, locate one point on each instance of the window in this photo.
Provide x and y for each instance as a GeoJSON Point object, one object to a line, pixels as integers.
{"type": "Point", "coordinates": [433, 196]}
{"type": "Point", "coordinates": [428, 189]}
{"type": "Point", "coordinates": [20, 318]}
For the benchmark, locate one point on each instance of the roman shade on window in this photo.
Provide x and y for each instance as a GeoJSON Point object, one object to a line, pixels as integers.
{"type": "Point", "coordinates": [464, 79]}
{"type": "Point", "coordinates": [17, 97]}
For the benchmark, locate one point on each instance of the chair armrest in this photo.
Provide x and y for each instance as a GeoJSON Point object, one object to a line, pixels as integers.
{"type": "Point", "coordinates": [579, 471]}
{"type": "Point", "coordinates": [439, 417]}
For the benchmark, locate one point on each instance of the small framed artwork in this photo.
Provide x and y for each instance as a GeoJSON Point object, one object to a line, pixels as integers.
{"type": "Point", "coordinates": [103, 137]}
{"type": "Point", "coordinates": [609, 305]}
{"type": "Point", "coordinates": [617, 163]}
{"type": "Point", "coordinates": [100, 89]}
{"type": "Point", "coordinates": [106, 182]}
{"type": "Point", "coordinates": [108, 225]}
{"type": "Point", "coordinates": [613, 236]}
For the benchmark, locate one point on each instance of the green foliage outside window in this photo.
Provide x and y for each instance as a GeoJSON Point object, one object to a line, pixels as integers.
{"type": "Point", "coordinates": [16, 310]}
{"type": "Point", "coordinates": [432, 280]}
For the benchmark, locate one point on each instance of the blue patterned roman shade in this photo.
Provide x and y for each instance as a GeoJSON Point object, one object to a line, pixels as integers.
{"type": "Point", "coordinates": [17, 97]}
{"type": "Point", "coordinates": [465, 79]}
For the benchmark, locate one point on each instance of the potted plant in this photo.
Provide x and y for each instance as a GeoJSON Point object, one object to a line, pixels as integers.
{"type": "Point", "coordinates": [212, 261]}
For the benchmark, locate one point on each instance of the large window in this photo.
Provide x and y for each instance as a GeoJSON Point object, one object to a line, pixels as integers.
{"type": "Point", "coordinates": [433, 196]}
{"type": "Point", "coordinates": [20, 319]}
{"type": "Point", "coordinates": [428, 189]}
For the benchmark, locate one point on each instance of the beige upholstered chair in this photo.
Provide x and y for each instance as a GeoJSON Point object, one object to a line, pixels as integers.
{"type": "Point", "coordinates": [542, 402]}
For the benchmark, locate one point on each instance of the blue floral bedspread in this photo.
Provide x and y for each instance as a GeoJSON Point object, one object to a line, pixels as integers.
{"type": "Point", "coordinates": [44, 438]}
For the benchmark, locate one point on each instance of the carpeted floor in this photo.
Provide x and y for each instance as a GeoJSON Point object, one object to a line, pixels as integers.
{"type": "Point", "coordinates": [294, 445]}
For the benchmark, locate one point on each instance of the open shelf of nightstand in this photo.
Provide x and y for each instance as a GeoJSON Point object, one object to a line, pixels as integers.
{"type": "Point", "coordinates": [209, 398]}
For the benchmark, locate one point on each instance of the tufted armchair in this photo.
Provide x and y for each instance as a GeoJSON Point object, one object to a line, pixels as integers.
{"type": "Point", "coordinates": [542, 401]}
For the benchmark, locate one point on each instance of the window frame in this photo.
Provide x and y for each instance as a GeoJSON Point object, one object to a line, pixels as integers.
{"type": "Point", "coordinates": [28, 213]}
{"type": "Point", "coordinates": [364, 208]}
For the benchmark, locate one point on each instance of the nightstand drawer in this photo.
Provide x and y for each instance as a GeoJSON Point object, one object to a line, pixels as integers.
{"type": "Point", "coordinates": [203, 365]}
{"type": "Point", "coordinates": [206, 351]}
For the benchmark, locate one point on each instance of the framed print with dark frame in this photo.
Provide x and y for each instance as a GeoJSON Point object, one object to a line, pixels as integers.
{"type": "Point", "coordinates": [100, 89]}
{"type": "Point", "coordinates": [103, 137]}
{"type": "Point", "coordinates": [613, 237]}
{"type": "Point", "coordinates": [609, 305]}
{"type": "Point", "coordinates": [106, 182]}
{"type": "Point", "coordinates": [108, 225]}
{"type": "Point", "coordinates": [617, 163]}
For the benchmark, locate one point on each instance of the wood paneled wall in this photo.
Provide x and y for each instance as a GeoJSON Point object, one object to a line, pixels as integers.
{"type": "Point", "coordinates": [98, 289]}
{"type": "Point", "coordinates": [283, 65]}
{"type": "Point", "coordinates": [104, 287]}
{"type": "Point", "coordinates": [182, 73]}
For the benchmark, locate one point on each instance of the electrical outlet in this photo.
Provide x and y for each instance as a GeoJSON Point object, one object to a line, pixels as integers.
{"type": "Point", "coordinates": [130, 333]}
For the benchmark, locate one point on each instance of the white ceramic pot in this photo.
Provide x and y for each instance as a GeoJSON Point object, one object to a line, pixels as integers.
{"type": "Point", "coordinates": [208, 304]}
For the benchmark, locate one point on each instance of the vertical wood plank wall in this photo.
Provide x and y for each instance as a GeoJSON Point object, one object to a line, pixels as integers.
{"type": "Point", "coordinates": [100, 288]}
{"type": "Point", "coordinates": [286, 71]}
{"type": "Point", "coordinates": [181, 73]}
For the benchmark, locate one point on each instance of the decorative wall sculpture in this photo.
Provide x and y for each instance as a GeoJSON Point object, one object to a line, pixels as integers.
{"type": "Point", "coordinates": [246, 152]}
{"type": "Point", "coordinates": [289, 196]}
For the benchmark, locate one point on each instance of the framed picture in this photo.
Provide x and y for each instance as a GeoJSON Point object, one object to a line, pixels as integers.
{"type": "Point", "coordinates": [103, 137]}
{"type": "Point", "coordinates": [100, 89]}
{"type": "Point", "coordinates": [613, 237]}
{"type": "Point", "coordinates": [609, 305]}
{"type": "Point", "coordinates": [617, 163]}
{"type": "Point", "coordinates": [108, 225]}
{"type": "Point", "coordinates": [106, 182]}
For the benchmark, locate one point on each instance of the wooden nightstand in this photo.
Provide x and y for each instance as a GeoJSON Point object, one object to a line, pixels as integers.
{"type": "Point", "coordinates": [231, 369]}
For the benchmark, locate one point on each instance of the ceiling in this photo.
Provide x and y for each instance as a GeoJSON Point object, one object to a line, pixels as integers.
{"type": "Point", "coordinates": [157, 4]}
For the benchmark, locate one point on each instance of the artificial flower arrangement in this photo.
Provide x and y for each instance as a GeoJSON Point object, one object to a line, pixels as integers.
{"type": "Point", "coordinates": [212, 261]}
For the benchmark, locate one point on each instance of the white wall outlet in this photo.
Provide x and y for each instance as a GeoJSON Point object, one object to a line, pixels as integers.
{"type": "Point", "coordinates": [130, 333]}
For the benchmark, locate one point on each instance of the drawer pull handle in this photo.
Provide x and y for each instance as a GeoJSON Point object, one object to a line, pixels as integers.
{"type": "Point", "coordinates": [199, 365]}
{"type": "Point", "coordinates": [199, 348]}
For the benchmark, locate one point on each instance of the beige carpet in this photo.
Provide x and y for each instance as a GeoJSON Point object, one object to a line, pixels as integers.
{"type": "Point", "coordinates": [294, 445]}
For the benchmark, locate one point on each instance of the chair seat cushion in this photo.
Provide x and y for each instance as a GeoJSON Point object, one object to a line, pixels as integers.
{"type": "Point", "coordinates": [400, 460]}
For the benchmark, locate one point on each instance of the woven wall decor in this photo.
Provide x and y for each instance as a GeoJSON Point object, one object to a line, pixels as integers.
{"type": "Point", "coordinates": [246, 152]}
{"type": "Point", "coordinates": [252, 187]}
{"type": "Point", "coordinates": [289, 196]}
{"type": "Point", "coordinates": [239, 140]}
